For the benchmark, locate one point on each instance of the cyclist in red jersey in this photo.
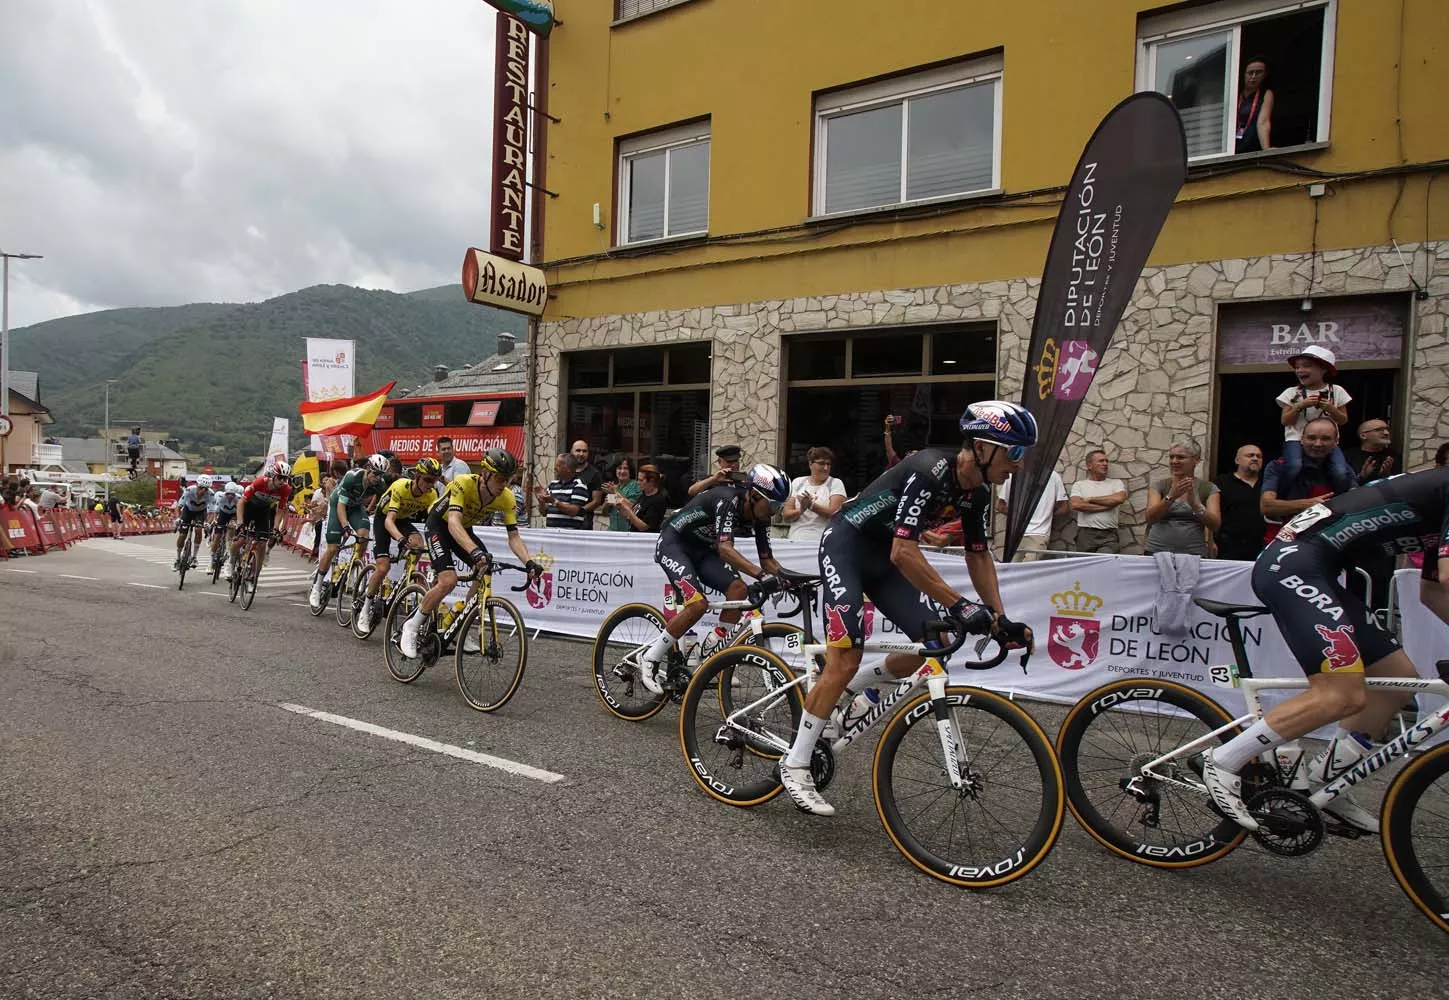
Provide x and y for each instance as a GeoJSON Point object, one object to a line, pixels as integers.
{"type": "Point", "coordinates": [264, 504]}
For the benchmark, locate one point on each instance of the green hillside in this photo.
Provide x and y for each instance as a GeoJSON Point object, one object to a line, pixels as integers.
{"type": "Point", "coordinates": [214, 376]}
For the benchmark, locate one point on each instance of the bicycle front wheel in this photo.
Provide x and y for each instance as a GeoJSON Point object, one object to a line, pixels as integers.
{"type": "Point", "coordinates": [1165, 820]}
{"type": "Point", "coordinates": [621, 640]}
{"type": "Point", "coordinates": [352, 588]}
{"type": "Point", "coordinates": [491, 654]}
{"type": "Point", "coordinates": [251, 569]}
{"type": "Point", "coordinates": [1005, 818]}
{"type": "Point", "coordinates": [403, 670]}
{"type": "Point", "coordinates": [1414, 824]}
{"type": "Point", "coordinates": [739, 716]}
{"type": "Point", "coordinates": [185, 562]}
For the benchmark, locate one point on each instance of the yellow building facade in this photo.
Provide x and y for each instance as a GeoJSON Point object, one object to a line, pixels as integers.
{"type": "Point", "coordinates": [777, 223]}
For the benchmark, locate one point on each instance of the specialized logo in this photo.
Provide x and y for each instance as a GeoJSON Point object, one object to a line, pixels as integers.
{"type": "Point", "coordinates": [1074, 636]}
{"type": "Point", "coordinates": [837, 632]}
{"type": "Point", "coordinates": [1341, 653]}
{"type": "Point", "coordinates": [540, 591]}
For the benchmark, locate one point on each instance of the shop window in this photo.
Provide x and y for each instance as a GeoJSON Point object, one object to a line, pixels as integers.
{"type": "Point", "coordinates": [894, 354]}
{"type": "Point", "coordinates": [908, 139]}
{"type": "Point", "coordinates": [689, 364]}
{"type": "Point", "coordinates": [817, 359]}
{"type": "Point", "coordinates": [664, 184]}
{"type": "Point", "coordinates": [589, 370]}
{"type": "Point", "coordinates": [1218, 61]}
{"type": "Point", "coordinates": [969, 351]}
{"type": "Point", "coordinates": [644, 366]}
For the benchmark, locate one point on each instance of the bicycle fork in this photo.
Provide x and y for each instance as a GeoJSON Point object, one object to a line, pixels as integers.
{"type": "Point", "coordinates": [953, 745]}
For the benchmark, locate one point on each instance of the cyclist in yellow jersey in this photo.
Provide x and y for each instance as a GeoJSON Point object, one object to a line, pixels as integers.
{"type": "Point", "coordinates": [400, 509]}
{"type": "Point", "coordinates": [468, 502]}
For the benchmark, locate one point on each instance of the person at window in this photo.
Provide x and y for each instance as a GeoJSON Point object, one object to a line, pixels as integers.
{"type": "Point", "coordinates": [451, 463]}
{"type": "Point", "coordinates": [815, 498]}
{"type": "Point", "coordinates": [900, 441]}
{"type": "Point", "coordinates": [587, 473]}
{"type": "Point", "coordinates": [1240, 499]}
{"type": "Point", "coordinates": [647, 513]}
{"type": "Point", "coordinates": [727, 464]}
{"type": "Point", "coordinates": [622, 492]}
{"type": "Point", "coordinates": [1182, 505]}
{"type": "Point", "coordinates": [1053, 504]}
{"type": "Point", "coordinates": [1374, 458]}
{"type": "Point", "coordinates": [1096, 499]}
{"type": "Point", "coordinates": [1255, 108]}
{"type": "Point", "coordinates": [1285, 495]}
{"type": "Point", "coordinates": [1313, 397]}
{"type": "Point", "coordinates": [566, 498]}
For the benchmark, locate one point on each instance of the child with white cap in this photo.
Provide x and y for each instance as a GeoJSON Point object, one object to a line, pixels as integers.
{"type": "Point", "coordinates": [1313, 397]}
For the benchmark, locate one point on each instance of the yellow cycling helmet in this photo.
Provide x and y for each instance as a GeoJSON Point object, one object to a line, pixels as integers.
{"type": "Point", "coordinates": [429, 467]}
{"type": "Point", "coordinates": [499, 460]}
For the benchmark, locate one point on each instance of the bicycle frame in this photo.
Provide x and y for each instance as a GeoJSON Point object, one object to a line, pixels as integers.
{"type": "Point", "coordinates": [1406, 742]}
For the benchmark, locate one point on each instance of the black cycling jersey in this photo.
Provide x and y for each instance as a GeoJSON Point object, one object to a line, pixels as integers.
{"type": "Point", "coordinates": [710, 517]}
{"type": "Point", "coordinates": [1400, 514]}
{"type": "Point", "coordinates": [902, 501]}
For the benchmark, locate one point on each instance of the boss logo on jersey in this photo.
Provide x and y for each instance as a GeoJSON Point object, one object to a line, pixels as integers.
{"type": "Point", "coordinates": [1368, 521]}
{"type": "Point", "coordinates": [1313, 596]}
{"type": "Point", "coordinates": [939, 469]}
{"type": "Point", "coordinates": [1341, 653]}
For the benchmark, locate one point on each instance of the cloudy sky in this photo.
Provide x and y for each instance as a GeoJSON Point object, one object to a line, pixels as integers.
{"type": "Point", "coordinates": [167, 151]}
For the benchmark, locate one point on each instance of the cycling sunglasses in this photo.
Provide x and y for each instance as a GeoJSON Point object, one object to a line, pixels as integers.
{"type": "Point", "coordinates": [1014, 452]}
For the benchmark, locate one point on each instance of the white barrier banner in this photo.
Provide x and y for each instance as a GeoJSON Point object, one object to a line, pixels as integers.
{"type": "Point", "coordinates": [1092, 615]}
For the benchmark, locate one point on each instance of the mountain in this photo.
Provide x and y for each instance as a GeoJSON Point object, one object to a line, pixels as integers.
{"type": "Point", "coordinates": [214, 376]}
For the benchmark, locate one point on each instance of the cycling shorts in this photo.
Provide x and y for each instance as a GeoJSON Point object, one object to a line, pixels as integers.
{"type": "Point", "coordinates": [852, 566]}
{"type": "Point", "coordinates": [384, 546]}
{"type": "Point", "coordinates": [691, 566]}
{"type": "Point", "coordinates": [356, 520]}
{"type": "Point", "coordinates": [258, 516]}
{"type": "Point", "coordinates": [1325, 626]}
{"type": "Point", "coordinates": [444, 550]}
{"type": "Point", "coordinates": [190, 518]}
{"type": "Point", "coordinates": [225, 517]}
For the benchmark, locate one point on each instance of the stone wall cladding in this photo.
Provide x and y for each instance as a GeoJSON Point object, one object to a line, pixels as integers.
{"type": "Point", "coordinates": [1154, 385]}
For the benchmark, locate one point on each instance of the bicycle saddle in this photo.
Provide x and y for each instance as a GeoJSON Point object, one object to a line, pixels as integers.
{"type": "Point", "coordinates": [1223, 609]}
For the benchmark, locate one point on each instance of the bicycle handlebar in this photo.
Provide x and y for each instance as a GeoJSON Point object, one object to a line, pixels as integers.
{"type": "Point", "coordinates": [951, 625]}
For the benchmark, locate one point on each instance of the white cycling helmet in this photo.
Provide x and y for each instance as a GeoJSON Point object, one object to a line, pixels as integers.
{"type": "Point", "coordinates": [236, 489]}
{"type": "Point", "coordinates": [281, 469]}
{"type": "Point", "coordinates": [204, 482]}
{"type": "Point", "coordinates": [377, 463]}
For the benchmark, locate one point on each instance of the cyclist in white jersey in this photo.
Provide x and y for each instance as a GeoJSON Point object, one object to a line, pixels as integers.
{"type": "Point", "coordinates": [193, 504]}
{"type": "Point", "coordinates": [223, 507]}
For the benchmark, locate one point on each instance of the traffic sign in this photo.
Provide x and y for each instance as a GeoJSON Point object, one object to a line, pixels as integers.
{"type": "Point", "coordinates": [6, 425]}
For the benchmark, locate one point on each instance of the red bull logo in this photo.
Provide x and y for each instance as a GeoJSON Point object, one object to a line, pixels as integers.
{"type": "Point", "coordinates": [837, 632]}
{"type": "Point", "coordinates": [1341, 654]}
{"type": "Point", "coordinates": [678, 595]}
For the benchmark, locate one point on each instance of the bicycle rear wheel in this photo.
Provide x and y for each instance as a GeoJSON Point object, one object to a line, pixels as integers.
{"type": "Point", "coordinates": [490, 674]}
{"type": "Point", "coordinates": [185, 563]}
{"type": "Point", "coordinates": [1009, 816]}
{"type": "Point", "coordinates": [353, 586]}
{"type": "Point", "coordinates": [1107, 737]}
{"type": "Point", "coordinates": [738, 763]}
{"type": "Point", "coordinates": [403, 670]}
{"type": "Point", "coordinates": [1414, 824]}
{"type": "Point", "coordinates": [620, 641]}
{"type": "Point", "coordinates": [251, 569]}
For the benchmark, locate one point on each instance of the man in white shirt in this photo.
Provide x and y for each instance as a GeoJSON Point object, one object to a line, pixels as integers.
{"type": "Point", "coordinates": [1053, 504]}
{"type": "Point", "coordinates": [451, 463]}
{"type": "Point", "coordinates": [1095, 499]}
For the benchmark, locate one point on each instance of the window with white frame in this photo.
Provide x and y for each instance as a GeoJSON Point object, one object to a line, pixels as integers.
{"type": "Point", "coordinates": [1243, 71]}
{"type": "Point", "coordinates": [664, 184]}
{"type": "Point", "coordinates": [929, 135]}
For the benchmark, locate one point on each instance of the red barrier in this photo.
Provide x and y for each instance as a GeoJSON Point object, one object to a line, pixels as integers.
{"type": "Point", "coordinates": [20, 531]}
{"type": "Point", "coordinates": [97, 524]}
{"type": "Point", "coordinates": [50, 537]}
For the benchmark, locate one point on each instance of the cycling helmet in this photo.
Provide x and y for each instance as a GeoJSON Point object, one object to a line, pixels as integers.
{"type": "Point", "coordinates": [769, 483]}
{"type": "Point", "coordinates": [428, 467]}
{"type": "Point", "coordinates": [235, 489]}
{"type": "Point", "coordinates": [377, 463]}
{"type": "Point", "coordinates": [203, 482]}
{"type": "Point", "coordinates": [1001, 423]}
{"type": "Point", "coordinates": [501, 461]}
{"type": "Point", "coordinates": [281, 469]}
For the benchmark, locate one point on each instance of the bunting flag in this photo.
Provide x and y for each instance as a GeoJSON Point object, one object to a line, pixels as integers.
{"type": "Point", "coordinates": [354, 415]}
{"type": "Point", "coordinates": [1115, 205]}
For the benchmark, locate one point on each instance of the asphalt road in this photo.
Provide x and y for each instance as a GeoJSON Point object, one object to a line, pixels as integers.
{"type": "Point", "coordinates": [168, 830]}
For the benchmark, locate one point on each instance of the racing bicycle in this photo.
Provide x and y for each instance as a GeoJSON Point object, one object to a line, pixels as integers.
{"type": "Point", "coordinates": [485, 633]}
{"type": "Point", "coordinates": [966, 782]}
{"type": "Point", "coordinates": [382, 600]}
{"type": "Point", "coordinates": [1131, 752]}
{"type": "Point", "coordinates": [348, 563]}
{"type": "Point", "coordinates": [248, 567]}
{"type": "Point", "coordinates": [187, 554]}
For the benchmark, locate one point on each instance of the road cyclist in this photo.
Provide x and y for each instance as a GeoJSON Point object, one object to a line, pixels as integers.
{"type": "Point", "coordinates": [872, 546]}
{"type": "Point", "coordinates": [397, 523]}
{"type": "Point", "coordinates": [347, 505]}
{"type": "Point", "coordinates": [696, 549]}
{"type": "Point", "coordinates": [223, 515]}
{"type": "Point", "coordinates": [192, 507]}
{"type": "Point", "coordinates": [470, 500]}
{"type": "Point", "coordinates": [263, 507]}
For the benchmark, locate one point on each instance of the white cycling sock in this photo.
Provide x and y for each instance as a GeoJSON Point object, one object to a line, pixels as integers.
{"type": "Point", "coordinates": [1257, 739]}
{"type": "Point", "coordinates": [869, 677]}
{"type": "Point", "coordinates": [661, 645]}
{"type": "Point", "coordinates": [804, 745]}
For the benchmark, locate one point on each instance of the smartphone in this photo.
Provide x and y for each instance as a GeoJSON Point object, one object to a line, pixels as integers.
{"type": "Point", "coordinates": [738, 477]}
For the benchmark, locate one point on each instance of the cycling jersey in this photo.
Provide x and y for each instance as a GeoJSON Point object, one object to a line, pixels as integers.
{"type": "Point", "coordinates": [465, 495]}
{"type": "Point", "coordinates": [710, 517]}
{"type": "Point", "coordinates": [194, 500]}
{"type": "Point", "coordinates": [261, 491]}
{"type": "Point", "coordinates": [1296, 577]}
{"type": "Point", "coordinates": [354, 488]}
{"type": "Point", "coordinates": [904, 500]}
{"type": "Point", "coordinates": [400, 500]}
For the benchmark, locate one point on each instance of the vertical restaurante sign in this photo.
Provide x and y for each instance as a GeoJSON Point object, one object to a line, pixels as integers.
{"type": "Point", "coordinates": [510, 136]}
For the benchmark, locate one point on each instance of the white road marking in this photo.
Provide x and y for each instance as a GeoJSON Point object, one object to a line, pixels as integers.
{"type": "Point", "coordinates": [12, 569]}
{"type": "Point", "coordinates": [209, 593]}
{"type": "Point", "coordinates": [422, 742]}
{"type": "Point", "coordinates": [149, 586]}
{"type": "Point", "coordinates": [72, 576]}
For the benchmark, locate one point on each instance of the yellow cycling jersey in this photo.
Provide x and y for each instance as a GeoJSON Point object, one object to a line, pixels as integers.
{"type": "Point", "coordinates": [465, 494]}
{"type": "Point", "coordinates": [400, 500]}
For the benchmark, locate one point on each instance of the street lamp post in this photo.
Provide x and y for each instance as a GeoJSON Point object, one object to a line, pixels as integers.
{"type": "Point", "coordinates": [5, 341]}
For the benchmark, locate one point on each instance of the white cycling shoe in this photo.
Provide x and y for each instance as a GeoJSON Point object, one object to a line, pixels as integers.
{"type": "Point", "coordinates": [651, 673]}
{"type": "Point", "coordinates": [1226, 789]}
{"type": "Point", "coordinates": [407, 640]}
{"type": "Point", "coordinates": [799, 784]}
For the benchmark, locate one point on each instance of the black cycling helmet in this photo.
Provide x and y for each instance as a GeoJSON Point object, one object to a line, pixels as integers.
{"type": "Point", "coordinates": [501, 461]}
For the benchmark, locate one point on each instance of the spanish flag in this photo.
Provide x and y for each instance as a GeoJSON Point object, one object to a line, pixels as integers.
{"type": "Point", "coordinates": [354, 415]}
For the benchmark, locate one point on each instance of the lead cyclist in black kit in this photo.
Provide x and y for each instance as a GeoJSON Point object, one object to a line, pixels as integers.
{"type": "Point", "coordinates": [1331, 637]}
{"type": "Point", "coordinates": [872, 547]}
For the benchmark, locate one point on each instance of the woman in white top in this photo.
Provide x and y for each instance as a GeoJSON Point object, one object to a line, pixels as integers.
{"type": "Point", "coordinates": [813, 498]}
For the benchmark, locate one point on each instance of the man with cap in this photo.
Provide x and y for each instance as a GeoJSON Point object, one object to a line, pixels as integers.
{"type": "Point", "coordinates": [1314, 397]}
{"type": "Point", "coordinates": [727, 463]}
